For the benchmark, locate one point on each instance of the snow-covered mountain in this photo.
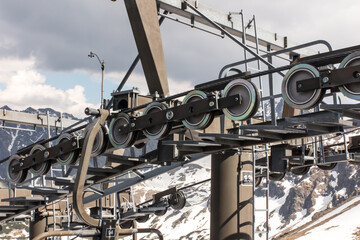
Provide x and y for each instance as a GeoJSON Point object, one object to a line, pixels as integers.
{"type": "Point", "coordinates": [295, 202]}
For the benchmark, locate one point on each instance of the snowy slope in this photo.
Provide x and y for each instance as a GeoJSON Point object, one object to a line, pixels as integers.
{"type": "Point", "coordinates": [295, 201]}
{"type": "Point", "coordinates": [340, 223]}
{"type": "Point", "coordinates": [193, 221]}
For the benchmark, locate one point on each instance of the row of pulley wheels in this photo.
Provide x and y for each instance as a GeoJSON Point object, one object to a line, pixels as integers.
{"type": "Point", "coordinates": [65, 158]}
{"type": "Point", "coordinates": [311, 98]}
{"type": "Point", "coordinates": [250, 99]}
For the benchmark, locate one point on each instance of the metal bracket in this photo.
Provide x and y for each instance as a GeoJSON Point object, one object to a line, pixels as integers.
{"type": "Point", "coordinates": [48, 154]}
{"type": "Point", "coordinates": [83, 168]}
{"type": "Point", "coordinates": [330, 79]}
{"type": "Point", "coordinates": [180, 112]}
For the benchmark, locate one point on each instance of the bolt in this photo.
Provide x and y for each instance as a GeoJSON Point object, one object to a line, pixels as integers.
{"type": "Point", "coordinates": [132, 125]}
{"type": "Point", "coordinates": [236, 99]}
{"type": "Point", "coordinates": [211, 104]}
{"type": "Point", "coordinates": [299, 85]}
{"type": "Point", "coordinates": [74, 144]}
{"type": "Point", "coordinates": [325, 80]}
{"type": "Point", "coordinates": [21, 164]}
{"type": "Point", "coordinates": [357, 74]}
{"type": "Point", "coordinates": [169, 115]}
{"type": "Point", "coordinates": [46, 154]}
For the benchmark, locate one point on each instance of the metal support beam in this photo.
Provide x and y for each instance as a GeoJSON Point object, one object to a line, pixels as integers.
{"type": "Point", "coordinates": [77, 233]}
{"type": "Point", "coordinates": [37, 225]}
{"type": "Point", "coordinates": [132, 181]}
{"type": "Point", "coordinates": [146, 29]}
{"type": "Point", "coordinates": [232, 24]}
{"type": "Point", "coordinates": [231, 214]}
{"type": "Point", "coordinates": [82, 171]}
{"type": "Point", "coordinates": [38, 120]}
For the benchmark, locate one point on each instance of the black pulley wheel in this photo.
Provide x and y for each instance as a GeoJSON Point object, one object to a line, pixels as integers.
{"type": "Point", "coordinates": [351, 90]}
{"type": "Point", "coordinates": [328, 166]}
{"type": "Point", "coordinates": [199, 121]}
{"type": "Point", "coordinates": [177, 200]}
{"type": "Point", "coordinates": [143, 219]}
{"type": "Point", "coordinates": [301, 100]}
{"type": "Point", "coordinates": [13, 176]}
{"type": "Point", "coordinates": [160, 212]}
{"type": "Point", "coordinates": [100, 141]}
{"type": "Point", "coordinates": [66, 158]}
{"type": "Point", "coordinates": [39, 169]}
{"type": "Point", "coordinates": [249, 100]}
{"type": "Point", "coordinates": [158, 131]}
{"type": "Point", "coordinates": [276, 176]}
{"type": "Point", "coordinates": [301, 170]}
{"type": "Point", "coordinates": [126, 224]}
{"type": "Point", "coordinates": [116, 137]}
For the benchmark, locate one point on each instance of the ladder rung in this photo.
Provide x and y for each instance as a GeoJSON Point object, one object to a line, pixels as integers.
{"type": "Point", "coordinates": [261, 209]}
{"type": "Point", "coordinates": [261, 167]}
{"type": "Point", "coordinates": [57, 169]}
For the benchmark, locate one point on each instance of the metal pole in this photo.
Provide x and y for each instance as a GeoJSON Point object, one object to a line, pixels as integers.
{"type": "Point", "coordinates": [37, 225]}
{"type": "Point", "coordinates": [229, 35]}
{"type": "Point", "coordinates": [271, 92]}
{"type": "Point", "coordinates": [231, 212]}
{"type": "Point", "coordinates": [102, 84]}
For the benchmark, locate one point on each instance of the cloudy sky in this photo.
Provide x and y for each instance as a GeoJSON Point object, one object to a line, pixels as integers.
{"type": "Point", "coordinates": [44, 45]}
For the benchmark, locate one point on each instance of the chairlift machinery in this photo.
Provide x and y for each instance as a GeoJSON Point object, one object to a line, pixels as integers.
{"type": "Point", "coordinates": [179, 123]}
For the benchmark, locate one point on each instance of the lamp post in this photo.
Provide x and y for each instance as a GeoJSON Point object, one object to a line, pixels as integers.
{"type": "Point", "coordinates": [102, 63]}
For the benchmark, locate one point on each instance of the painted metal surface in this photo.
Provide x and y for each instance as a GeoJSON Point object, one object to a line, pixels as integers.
{"type": "Point", "coordinates": [146, 30]}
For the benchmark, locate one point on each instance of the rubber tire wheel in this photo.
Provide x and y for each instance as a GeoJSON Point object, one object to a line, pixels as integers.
{"type": "Point", "coordinates": [351, 60]}
{"type": "Point", "coordinates": [178, 200]}
{"type": "Point", "coordinates": [67, 158]}
{"type": "Point", "coordinates": [194, 122]}
{"type": "Point", "coordinates": [300, 171]}
{"type": "Point", "coordinates": [143, 219]}
{"type": "Point", "coordinates": [120, 140]}
{"type": "Point", "coordinates": [160, 212]}
{"type": "Point", "coordinates": [156, 132]}
{"type": "Point", "coordinates": [44, 167]}
{"type": "Point", "coordinates": [21, 176]}
{"type": "Point", "coordinates": [127, 224]}
{"type": "Point", "coordinates": [248, 107]}
{"type": "Point", "coordinates": [258, 180]}
{"type": "Point", "coordinates": [276, 176]}
{"type": "Point", "coordinates": [100, 141]}
{"type": "Point", "coordinates": [303, 100]}
{"type": "Point", "coordinates": [329, 166]}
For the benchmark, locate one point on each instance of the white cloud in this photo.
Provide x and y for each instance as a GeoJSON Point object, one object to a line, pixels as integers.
{"type": "Point", "coordinates": [7, 42]}
{"type": "Point", "coordinates": [25, 87]}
